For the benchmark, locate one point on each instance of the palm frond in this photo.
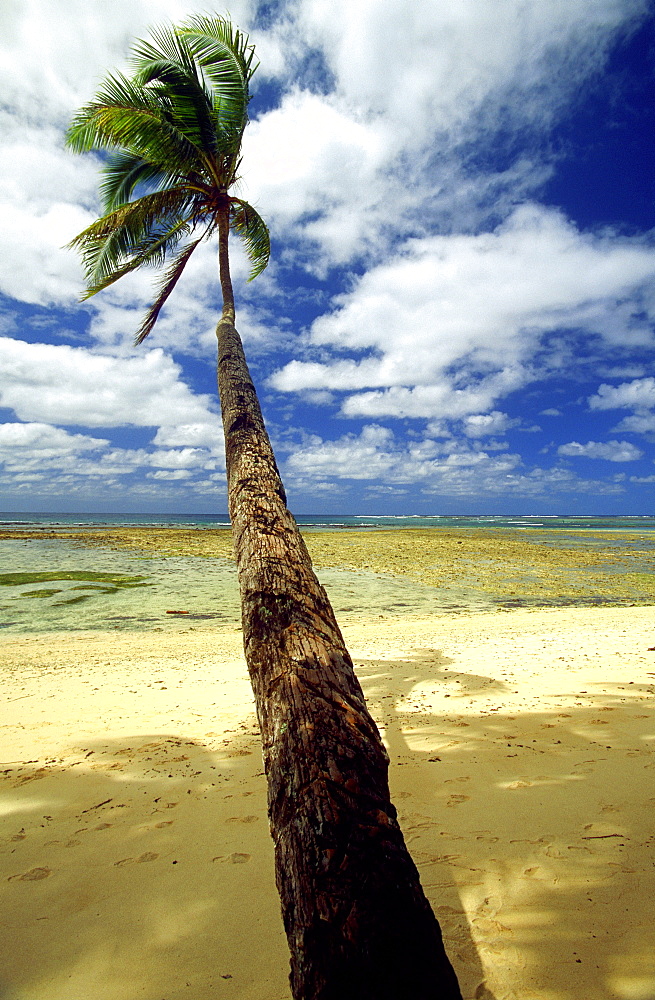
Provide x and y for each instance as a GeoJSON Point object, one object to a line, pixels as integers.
{"type": "Point", "coordinates": [128, 238]}
{"type": "Point", "coordinates": [166, 67]}
{"type": "Point", "coordinates": [228, 62]}
{"type": "Point", "coordinates": [123, 172]}
{"type": "Point", "coordinates": [129, 117]}
{"type": "Point", "coordinates": [210, 32]}
{"type": "Point", "coordinates": [171, 278]}
{"type": "Point", "coordinates": [173, 130]}
{"type": "Point", "coordinates": [153, 251]}
{"type": "Point", "coordinates": [249, 225]}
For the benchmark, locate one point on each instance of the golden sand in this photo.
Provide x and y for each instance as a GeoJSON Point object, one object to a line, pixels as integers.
{"type": "Point", "coordinates": [134, 847]}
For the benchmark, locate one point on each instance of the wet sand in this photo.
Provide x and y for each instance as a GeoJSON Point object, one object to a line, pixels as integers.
{"type": "Point", "coordinates": [135, 855]}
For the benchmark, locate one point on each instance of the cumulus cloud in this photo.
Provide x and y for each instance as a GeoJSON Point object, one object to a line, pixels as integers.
{"type": "Point", "coordinates": [199, 435]}
{"type": "Point", "coordinates": [445, 60]}
{"type": "Point", "coordinates": [394, 97]}
{"type": "Point", "coordinates": [370, 151]}
{"type": "Point", "coordinates": [71, 385]}
{"type": "Point", "coordinates": [636, 395]}
{"type": "Point", "coordinates": [320, 179]}
{"type": "Point", "coordinates": [638, 423]}
{"type": "Point", "coordinates": [375, 453]}
{"type": "Point", "coordinates": [34, 448]}
{"type": "Point", "coordinates": [451, 324]}
{"type": "Point", "coordinates": [43, 442]}
{"type": "Point", "coordinates": [447, 468]}
{"type": "Point", "coordinates": [611, 451]}
{"type": "Point", "coordinates": [479, 425]}
{"type": "Point", "coordinates": [169, 474]}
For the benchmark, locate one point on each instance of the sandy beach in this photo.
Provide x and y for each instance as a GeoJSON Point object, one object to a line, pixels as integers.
{"type": "Point", "coordinates": [136, 859]}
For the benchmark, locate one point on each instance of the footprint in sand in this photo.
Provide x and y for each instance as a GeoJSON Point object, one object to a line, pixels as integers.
{"type": "Point", "coordinates": [456, 800]}
{"type": "Point", "coordinates": [242, 819]}
{"type": "Point", "coordinates": [33, 875]}
{"type": "Point", "coordinates": [147, 856]}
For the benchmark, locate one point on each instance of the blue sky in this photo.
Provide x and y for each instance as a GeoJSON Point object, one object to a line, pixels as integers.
{"type": "Point", "coordinates": [459, 312]}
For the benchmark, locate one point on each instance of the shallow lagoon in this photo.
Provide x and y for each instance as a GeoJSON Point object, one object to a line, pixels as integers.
{"type": "Point", "coordinates": [154, 577]}
{"type": "Point", "coordinates": [155, 592]}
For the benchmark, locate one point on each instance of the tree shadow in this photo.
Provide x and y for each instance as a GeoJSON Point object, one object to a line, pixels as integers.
{"type": "Point", "coordinates": [541, 819]}
{"type": "Point", "coordinates": [141, 867]}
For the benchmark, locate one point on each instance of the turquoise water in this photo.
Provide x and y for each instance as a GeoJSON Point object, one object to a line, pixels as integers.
{"type": "Point", "coordinates": [644, 522]}
{"type": "Point", "coordinates": [167, 592]}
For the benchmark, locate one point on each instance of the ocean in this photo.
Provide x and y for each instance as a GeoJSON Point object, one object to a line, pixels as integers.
{"type": "Point", "coordinates": [57, 584]}
{"type": "Point", "coordinates": [547, 522]}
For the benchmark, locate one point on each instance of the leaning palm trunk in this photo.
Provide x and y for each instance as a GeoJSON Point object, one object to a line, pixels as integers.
{"type": "Point", "coordinates": [357, 921]}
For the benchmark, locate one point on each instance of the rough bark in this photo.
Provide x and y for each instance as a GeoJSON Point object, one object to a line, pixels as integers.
{"type": "Point", "coordinates": [357, 921]}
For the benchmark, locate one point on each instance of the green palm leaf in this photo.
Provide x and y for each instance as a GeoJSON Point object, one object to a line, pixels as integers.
{"type": "Point", "coordinates": [166, 66]}
{"type": "Point", "coordinates": [127, 116]}
{"type": "Point", "coordinates": [173, 130]}
{"type": "Point", "coordinates": [249, 225]}
{"type": "Point", "coordinates": [171, 278]}
{"type": "Point", "coordinates": [124, 172]}
{"type": "Point", "coordinates": [228, 62]}
{"type": "Point", "coordinates": [139, 228]}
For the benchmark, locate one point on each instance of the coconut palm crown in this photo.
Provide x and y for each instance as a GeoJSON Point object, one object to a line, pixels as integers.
{"type": "Point", "coordinates": [172, 134]}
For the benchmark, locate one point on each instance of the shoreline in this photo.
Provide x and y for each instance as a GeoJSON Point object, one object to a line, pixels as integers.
{"type": "Point", "coordinates": [511, 567]}
{"type": "Point", "coordinates": [136, 858]}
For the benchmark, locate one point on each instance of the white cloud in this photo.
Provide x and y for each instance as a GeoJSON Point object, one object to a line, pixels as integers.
{"type": "Point", "coordinates": [176, 474]}
{"type": "Point", "coordinates": [611, 451]}
{"type": "Point", "coordinates": [446, 468]}
{"type": "Point", "coordinates": [334, 166]}
{"type": "Point", "coordinates": [376, 454]}
{"type": "Point", "coordinates": [71, 385]}
{"type": "Point", "coordinates": [43, 443]}
{"type": "Point", "coordinates": [33, 266]}
{"type": "Point", "coordinates": [429, 67]}
{"type": "Point", "coordinates": [183, 458]}
{"type": "Point", "coordinates": [638, 423]}
{"type": "Point", "coordinates": [38, 450]}
{"type": "Point", "coordinates": [199, 435]}
{"type": "Point", "coordinates": [636, 395]}
{"type": "Point", "coordinates": [453, 311]}
{"type": "Point", "coordinates": [381, 151]}
{"type": "Point", "coordinates": [479, 425]}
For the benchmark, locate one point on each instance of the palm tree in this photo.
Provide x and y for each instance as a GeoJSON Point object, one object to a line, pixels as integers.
{"type": "Point", "coordinates": [357, 920]}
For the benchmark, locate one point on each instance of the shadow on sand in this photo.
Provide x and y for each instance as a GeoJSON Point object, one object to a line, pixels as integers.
{"type": "Point", "coordinates": [142, 867]}
{"type": "Point", "coordinates": [531, 829]}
